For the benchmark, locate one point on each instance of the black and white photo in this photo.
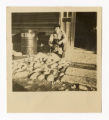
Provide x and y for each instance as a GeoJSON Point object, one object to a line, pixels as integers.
{"type": "Point", "coordinates": [54, 51]}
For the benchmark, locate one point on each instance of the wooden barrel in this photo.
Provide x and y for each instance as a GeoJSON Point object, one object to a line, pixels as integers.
{"type": "Point", "coordinates": [28, 42]}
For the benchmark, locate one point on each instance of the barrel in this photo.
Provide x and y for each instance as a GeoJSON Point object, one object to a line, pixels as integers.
{"type": "Point", "coordinates": [28, 42]}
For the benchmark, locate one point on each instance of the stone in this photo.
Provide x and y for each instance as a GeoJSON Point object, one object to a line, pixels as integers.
{"type": "Point", "coordinates": [81, 87]}
{"type": "Point", "coordinates": [41, 77]}
{"type": "Point", "coordinates": [21, 75]}
{"type": "Point", "coordinates": [50, 78]}
{"type": "Point", "coordinates": [34, 76]}
{"type": "Point", "coordinates": [73, 87]}
{"type": "Point", "coordinates": [17, 53]}
{"type": "Point", "coordinates": [47, 71]}
{"type": "Point", "coordinates": [61, 74]}
{"type": "Point", "coordinates": [30, 82]}
{"type": "Point", "coordinates": [27, 86]}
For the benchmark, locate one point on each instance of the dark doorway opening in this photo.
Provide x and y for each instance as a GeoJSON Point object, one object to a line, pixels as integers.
{"type": "Point", "coordinates": [86, 33]}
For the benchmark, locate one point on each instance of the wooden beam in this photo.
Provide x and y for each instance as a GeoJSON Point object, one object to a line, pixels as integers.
{"type": "Point", "coordinates": [73, 23]}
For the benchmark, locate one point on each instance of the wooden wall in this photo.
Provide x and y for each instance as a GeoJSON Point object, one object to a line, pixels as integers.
{"type": "Point", "coordinates": [41, 23]}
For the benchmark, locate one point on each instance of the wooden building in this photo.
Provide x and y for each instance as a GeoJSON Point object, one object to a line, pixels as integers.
{"type": "Point", "coordinates": [80, 28]}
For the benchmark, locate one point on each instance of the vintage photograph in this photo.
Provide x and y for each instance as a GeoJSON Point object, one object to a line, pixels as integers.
{"type": "Point", "coordinates": [54, 59]}
{"type": "Point", "coordinates": [54, 51]}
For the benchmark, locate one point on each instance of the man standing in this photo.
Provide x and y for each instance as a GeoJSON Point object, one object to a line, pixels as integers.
{"type": "Point", "coordinates": [57, 41]}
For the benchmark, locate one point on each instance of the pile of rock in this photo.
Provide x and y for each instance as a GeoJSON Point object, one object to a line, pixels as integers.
{"type": "Point", "coordinates": [40, 67]}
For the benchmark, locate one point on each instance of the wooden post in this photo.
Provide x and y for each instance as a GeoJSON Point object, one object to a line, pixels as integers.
{"type": "Point", "coordinates": [69, 29]}
{"type": "Point", "coordinates": [73, 23]}
{"type": "Point", "coordinates": [70, 32]}
{"type": "Point", "coordinates": [62, 24]}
